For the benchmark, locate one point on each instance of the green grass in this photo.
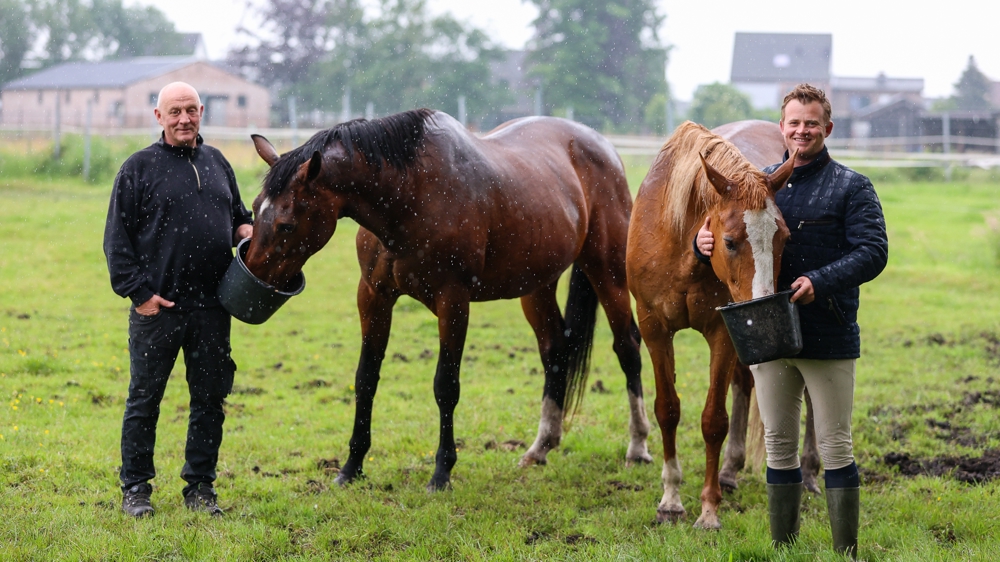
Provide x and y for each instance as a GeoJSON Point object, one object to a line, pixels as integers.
{"type": "Point", "coordinates": [929, 325]}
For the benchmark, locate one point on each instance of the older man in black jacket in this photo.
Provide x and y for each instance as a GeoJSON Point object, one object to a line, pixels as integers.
{"type": "Point", "coordinates": [174, 216]}
{"type": "Point", "coordinates": [838, 241]}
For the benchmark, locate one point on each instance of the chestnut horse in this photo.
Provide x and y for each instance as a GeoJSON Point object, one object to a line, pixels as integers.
{"type": "Point", "coordinates": [696, 174]}
{"type": "Point", "coordinates": [448, 218]}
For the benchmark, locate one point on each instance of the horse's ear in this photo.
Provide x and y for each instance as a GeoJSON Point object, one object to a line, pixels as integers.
{"type": "Point", "coordinates": [721, 183]}
{"type": "Point", "coordinates": [265, 149]}
{"type": "Point", "coordinates": [315, 166]}
{"type": "Point", "coordinates": [776, 179]}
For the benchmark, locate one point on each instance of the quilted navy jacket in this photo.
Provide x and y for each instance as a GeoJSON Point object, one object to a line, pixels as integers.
{"type": "Point", "coordinates": [838, 240]}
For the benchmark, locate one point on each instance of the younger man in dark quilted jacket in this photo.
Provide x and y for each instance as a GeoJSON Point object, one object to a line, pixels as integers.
{"type": "Point", "coordinates": [838, 241]}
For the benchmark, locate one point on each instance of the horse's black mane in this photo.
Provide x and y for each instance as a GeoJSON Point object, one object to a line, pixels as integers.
{"type": "Point", "coordinates": [394, 139]}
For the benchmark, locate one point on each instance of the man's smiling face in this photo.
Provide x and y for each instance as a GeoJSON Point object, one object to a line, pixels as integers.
{"type": "Point", "coordinates": [805, 128]}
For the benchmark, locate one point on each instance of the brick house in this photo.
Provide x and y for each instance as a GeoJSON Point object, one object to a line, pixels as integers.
{"type": "Point", "coordinates": [122, 94]}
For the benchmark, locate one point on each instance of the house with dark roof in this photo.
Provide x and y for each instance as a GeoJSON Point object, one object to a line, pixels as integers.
{"type": "Point", "coordinates": [767, 65]}
{"type": "Point", "coordinates": [122, 94]}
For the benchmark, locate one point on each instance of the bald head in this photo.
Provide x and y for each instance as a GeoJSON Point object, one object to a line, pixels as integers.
{"type": "Point", "coordinates": [175, 90]}
{"type": "Point", "coordinates": [178, 111]}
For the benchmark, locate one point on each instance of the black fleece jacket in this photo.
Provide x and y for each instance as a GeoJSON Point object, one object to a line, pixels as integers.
{"type": "Point", "coordinates": [170, 225]}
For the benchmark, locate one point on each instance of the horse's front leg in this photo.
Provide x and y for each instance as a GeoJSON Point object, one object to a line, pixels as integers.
{"type": "Point", "coordinates": [715, 421]}
{"type": "Point", "coordinates": [376, 320]}
{"type": "Point", "coordinates": [452, 308]}
{"type": "Point", "coordinates": [734, 457]}
{"type": "Point", "coordinates": [542, 311]}
{"type": "Point", "coordinates": [667, 407]}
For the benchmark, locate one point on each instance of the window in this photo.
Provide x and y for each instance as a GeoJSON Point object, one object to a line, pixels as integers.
{"type": "Point", "coordinates": [153, 98]}
{"type": "Point", "coordinates": [241, 101]}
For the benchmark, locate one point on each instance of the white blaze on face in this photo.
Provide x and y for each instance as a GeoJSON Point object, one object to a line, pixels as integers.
{"type": "Point", "coordinates": [761, 226]}
{"type": "Point", "coordinates": [264, 205]}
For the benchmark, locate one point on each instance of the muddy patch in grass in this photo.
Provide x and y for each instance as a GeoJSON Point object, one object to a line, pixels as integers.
{"type": "Point", "coordinates": [972, 470]}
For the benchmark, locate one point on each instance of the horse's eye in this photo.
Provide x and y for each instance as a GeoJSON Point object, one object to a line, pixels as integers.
{"type": "Point", "coordinates": [730, 244]}
{"type": "Point", "coordinates": [286, 227]}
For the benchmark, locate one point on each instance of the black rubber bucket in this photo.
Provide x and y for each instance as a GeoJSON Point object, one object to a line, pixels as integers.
{"type": "Point", "coordinates": [764, 329]}
{"type": "Point", "coordinates": [249, 299]}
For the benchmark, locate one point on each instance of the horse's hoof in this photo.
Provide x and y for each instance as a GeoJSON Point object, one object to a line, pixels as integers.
{"type": "Point", "coordinates": [669, 516]}
{"type": "Point", "coordinates": [438, 486]}
{"type": "Point", "coordinates": [810, 485]}
{"type": "Point", "coordinates": [528, 461]}
{"type": "Point", "coordinates": [708, 522]}
{"type": "Point", "coordinates": [728, 483]}
{"type": "Point", "coordinates": [638, 459]}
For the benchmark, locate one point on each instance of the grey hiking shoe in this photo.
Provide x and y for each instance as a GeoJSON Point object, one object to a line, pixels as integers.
{"type": "Point", "coordinates": [203, 498]}
{"type": "Point", "coordinates": [135, 501]}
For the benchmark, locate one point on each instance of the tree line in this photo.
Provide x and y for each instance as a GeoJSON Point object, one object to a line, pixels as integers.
{"type": "Point", "coordinates": [601, 63]}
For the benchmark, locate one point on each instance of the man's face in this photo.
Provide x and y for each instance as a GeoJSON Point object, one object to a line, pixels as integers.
{"type": "Point", "coordinates": [179, 113]}
{"type": "Point", "coordinates": [805, 129]}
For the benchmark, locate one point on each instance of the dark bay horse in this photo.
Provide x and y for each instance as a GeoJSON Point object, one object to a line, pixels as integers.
{"type": "Point", "coordinates": [448, 218]}
{"type": "Point", "coordinates": [696, 174]}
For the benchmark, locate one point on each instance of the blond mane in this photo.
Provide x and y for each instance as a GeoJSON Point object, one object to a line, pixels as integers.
{"type": "Point", "coordinates": [686, 178]}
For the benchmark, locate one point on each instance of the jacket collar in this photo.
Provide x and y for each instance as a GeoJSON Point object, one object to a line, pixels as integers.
{"type": "Point", "coordinates": [817, 164]}
{"type": "Point", "coordinates": [181, 151]}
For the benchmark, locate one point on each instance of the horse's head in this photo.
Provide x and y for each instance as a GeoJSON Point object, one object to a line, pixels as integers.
{"type": "Point", "coordinates": [749, 231]}
{"type": "Point", "coordinates": [295, 213]}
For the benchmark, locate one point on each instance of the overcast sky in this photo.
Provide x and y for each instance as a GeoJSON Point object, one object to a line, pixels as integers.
{"type": "Point", "coordinates": [902, 39]}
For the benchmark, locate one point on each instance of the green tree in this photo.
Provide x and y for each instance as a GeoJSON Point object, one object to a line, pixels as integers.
{"type": "Point", "coordinates": [717, 104]}
{"type": "Point", "coordinates": [399, 59]}
{"type": "Point", "coordinates": [972, 91]}
{"type": "Point", "coordinates": [604, 59]}
{"type": "Point", "coordinates": [15, 38]}
{"type": "Point", "coordinates": [125, 32]}
{"type": "Point", "coordinates": [79, 30]}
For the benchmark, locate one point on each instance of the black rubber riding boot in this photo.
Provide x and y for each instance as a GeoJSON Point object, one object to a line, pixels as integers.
{"type": "Point", "coordinates": [783, 502]}
{"type": "Point", "coordinates": [844, 505]}
{"type": "Point", "coordinates": [135, 501]}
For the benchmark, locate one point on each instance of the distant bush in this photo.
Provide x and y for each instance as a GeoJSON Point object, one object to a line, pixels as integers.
{"type": "Point", "coordinates": [106, 157]}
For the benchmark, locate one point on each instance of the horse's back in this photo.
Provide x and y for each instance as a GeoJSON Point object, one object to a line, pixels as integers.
{"type": "Point", "coordinates": [760, 142]}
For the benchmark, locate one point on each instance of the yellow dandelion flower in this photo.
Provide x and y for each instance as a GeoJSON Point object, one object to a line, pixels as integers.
{"type": "Point", "coordinates": [15, 428]}
{"type": "Point", "coordinates": [61, 404]}
{"type": "Point", "coordinates": [22, 352]}
{"type": "Point", "coordinates": [15, 407]}
{"type": "Point", "coordinates": [316, 356]}
{"type": "Point", "coordinates": [38, 400]}
{"type": "Point", "coordinates": [51, 401]}
{"type": "Point", "coordinates": [679, 396]}
{"type": "Point", "coordinates": [371, 458]}
{"type": "Point", "coordinates": [46, 432]}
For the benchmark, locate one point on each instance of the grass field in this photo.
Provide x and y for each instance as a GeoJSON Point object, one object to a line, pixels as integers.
{"type": "Point", "coordinates": [928, 387]}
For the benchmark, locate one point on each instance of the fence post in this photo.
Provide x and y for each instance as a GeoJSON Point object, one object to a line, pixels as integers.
{"type": "Point", "coordinates": [57, 142]}
{"type": "Point", "coordinates": [293, 121]}
{"type": "Point", "coordinates": [946, 141]}
{"type": "Point", "coordinates": [86, 141]}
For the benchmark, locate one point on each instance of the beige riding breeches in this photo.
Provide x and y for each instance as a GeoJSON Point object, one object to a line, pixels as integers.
{"type": "Point", "coordinates": [779, 387]}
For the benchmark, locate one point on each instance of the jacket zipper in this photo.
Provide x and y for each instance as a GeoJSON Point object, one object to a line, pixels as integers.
{"type": "Point", "coordinates": [816, 222]}
{"type": "Point", "coordinates": [197, 176]}
{"type": "Point", "coordinates": [835, 308]}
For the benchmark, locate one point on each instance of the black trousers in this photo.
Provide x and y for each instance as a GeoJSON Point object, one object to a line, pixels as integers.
{"type": "Point", "coordinates": [154, 343]}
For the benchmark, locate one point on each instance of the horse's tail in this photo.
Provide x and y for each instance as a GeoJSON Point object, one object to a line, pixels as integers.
{"type": "Point", "coordinates": [755, 449]}
{"type": "Point", "coordinates": [581, 316]}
